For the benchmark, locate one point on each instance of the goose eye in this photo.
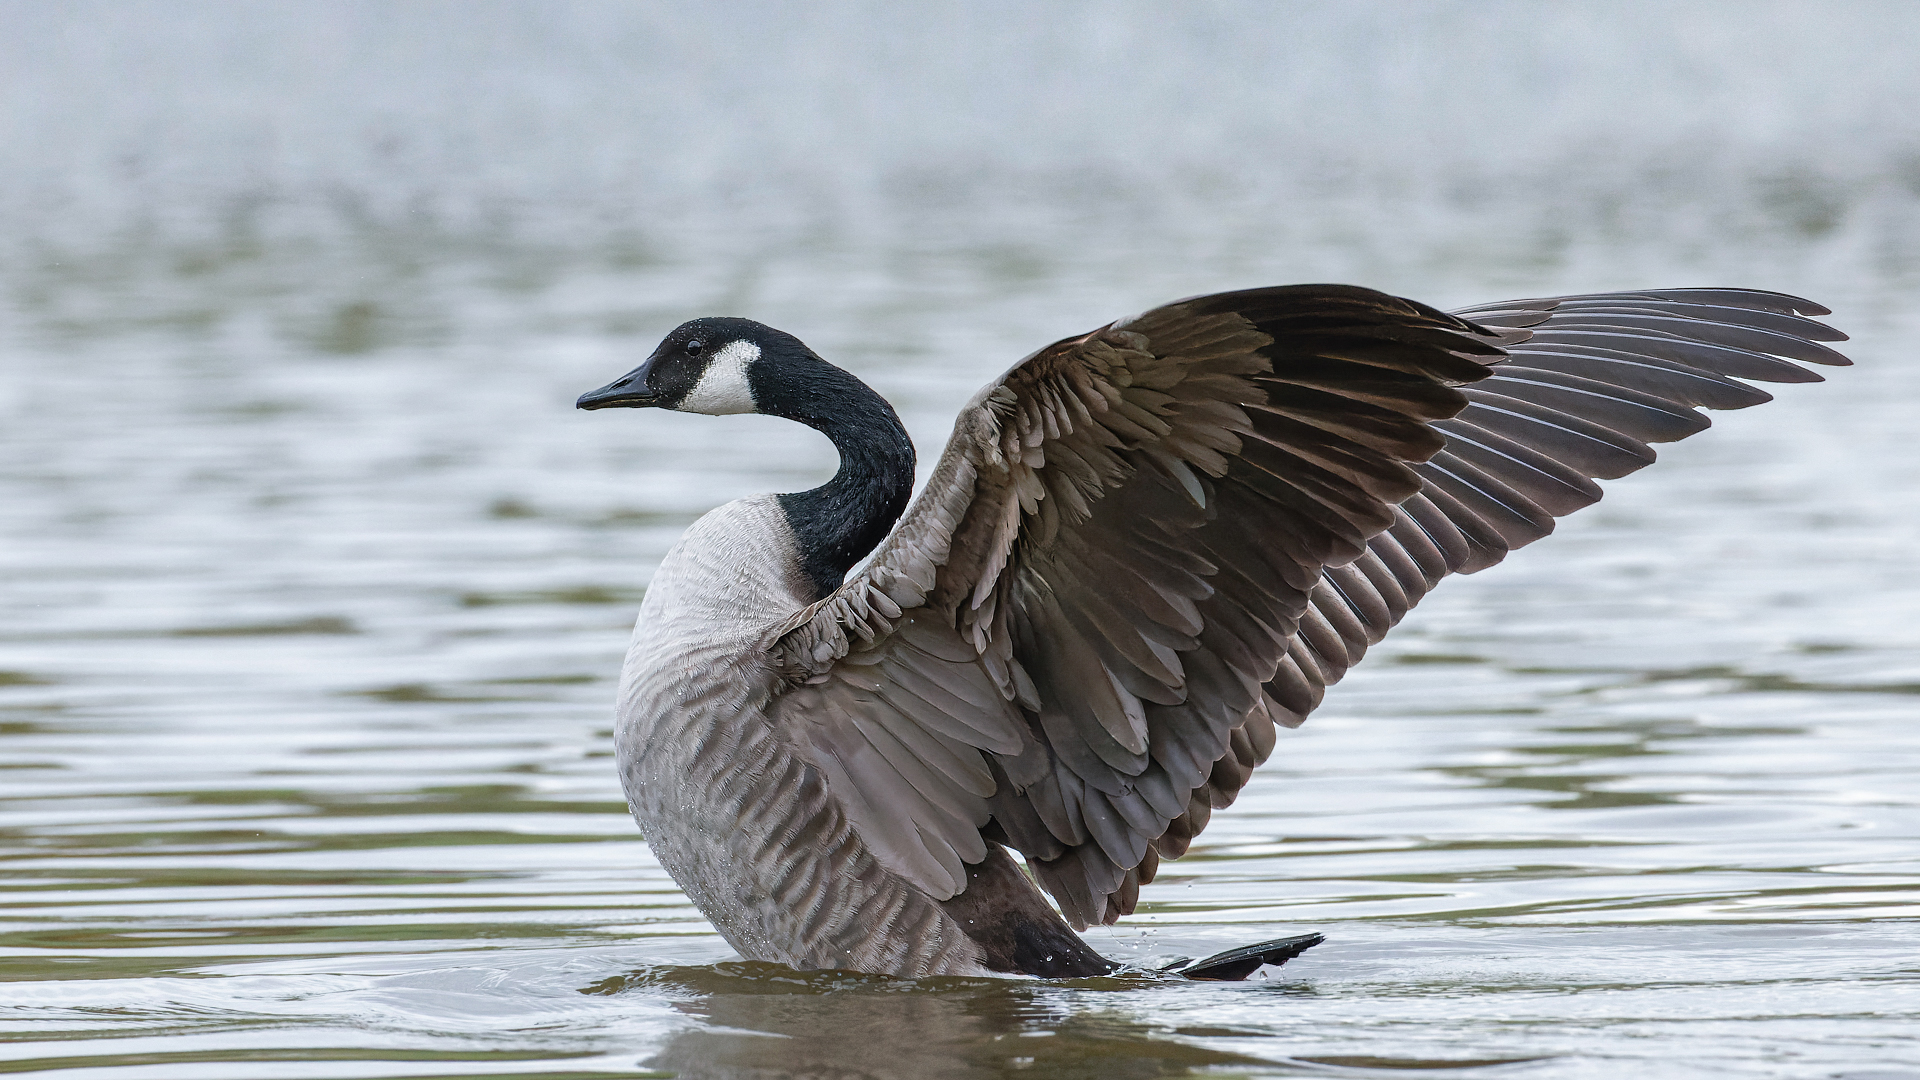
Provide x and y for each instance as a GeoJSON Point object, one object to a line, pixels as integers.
{"type": "Point", "coordinates": [693, 347]}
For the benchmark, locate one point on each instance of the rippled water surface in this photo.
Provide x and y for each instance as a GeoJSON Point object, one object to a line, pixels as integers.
{"type": "Point", "coordinates": [315, 586]}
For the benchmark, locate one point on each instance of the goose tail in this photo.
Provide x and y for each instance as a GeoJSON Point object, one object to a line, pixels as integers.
{"type": "Point", "coordinates": [1235, 965]}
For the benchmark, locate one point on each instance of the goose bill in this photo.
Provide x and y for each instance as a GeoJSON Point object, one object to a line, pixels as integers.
{"type": "Point", "coordinates": [629, 391]}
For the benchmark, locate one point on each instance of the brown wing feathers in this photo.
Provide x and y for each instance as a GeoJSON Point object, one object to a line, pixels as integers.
{"type": "Point", "coordinates": [1560, 409]}
{"type": "Point", "coordinates": [1148, 546]}
{"type": "Point", "coordinates": [1168, 537]}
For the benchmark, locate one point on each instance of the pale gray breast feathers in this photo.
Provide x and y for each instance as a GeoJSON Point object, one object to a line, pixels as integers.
{"type": "Point", "coordinates": [695, 679]}
{"type": "Point", "coordinates": [746, 826]}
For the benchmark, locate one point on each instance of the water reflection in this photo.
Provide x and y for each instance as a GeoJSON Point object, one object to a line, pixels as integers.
{"type": "Point", "coordinates": [760, 1021]}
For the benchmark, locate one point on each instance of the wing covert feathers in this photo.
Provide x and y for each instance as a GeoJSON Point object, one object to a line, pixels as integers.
{"type": "Point", "coordinates": [1147, 547]}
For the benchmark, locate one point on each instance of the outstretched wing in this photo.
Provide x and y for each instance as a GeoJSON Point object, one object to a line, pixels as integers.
{"type": "Point", "coordinates": [1600, 377]}
{"type": "Point", "coordinates": [1147, 546]}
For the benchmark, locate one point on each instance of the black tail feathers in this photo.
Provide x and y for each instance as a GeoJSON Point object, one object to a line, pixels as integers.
{"type": "Point", "coordinates": [1236, 964]}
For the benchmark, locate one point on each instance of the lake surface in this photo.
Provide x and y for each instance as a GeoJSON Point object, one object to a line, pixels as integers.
{"type": "Point", "coordinates": [315, 587]}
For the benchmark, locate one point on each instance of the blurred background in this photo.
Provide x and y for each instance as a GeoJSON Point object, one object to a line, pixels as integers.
{"type": "Point", "coordinates": [315, 586]}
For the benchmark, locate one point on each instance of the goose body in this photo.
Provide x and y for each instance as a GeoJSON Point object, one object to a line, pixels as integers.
{"type": "Point", "coordinates": [734, 814]}
{"type": "Point", "coordinates": [1143, 550]}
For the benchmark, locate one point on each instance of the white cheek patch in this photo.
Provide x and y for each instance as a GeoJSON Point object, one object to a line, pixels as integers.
{"type": "Point", "coordinates": [722, 389]}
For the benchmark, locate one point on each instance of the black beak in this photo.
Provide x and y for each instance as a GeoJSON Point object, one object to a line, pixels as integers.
{"type": "Point", "coordinates": [629, 391]}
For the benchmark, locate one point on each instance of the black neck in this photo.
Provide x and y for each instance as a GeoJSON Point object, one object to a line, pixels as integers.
{"type": "Point", "coordinates": [839, 522]}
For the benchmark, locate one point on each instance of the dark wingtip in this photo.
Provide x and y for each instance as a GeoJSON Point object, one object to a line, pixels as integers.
{"type": "Point", "coordinates": [1236, 964]}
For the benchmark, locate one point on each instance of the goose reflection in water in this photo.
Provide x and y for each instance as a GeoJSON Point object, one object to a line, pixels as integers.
{"type": "Point", "coordinates": [759, 1021]}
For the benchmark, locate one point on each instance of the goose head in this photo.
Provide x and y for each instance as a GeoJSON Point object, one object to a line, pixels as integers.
{"type": "Point", "coordinates": [715, 366]}
{"type": "Point", "coordinates": [725, 366]}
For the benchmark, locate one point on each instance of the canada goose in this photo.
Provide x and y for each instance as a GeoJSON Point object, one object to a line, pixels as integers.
{"type": "Point", "coordinates": [1144, 547]}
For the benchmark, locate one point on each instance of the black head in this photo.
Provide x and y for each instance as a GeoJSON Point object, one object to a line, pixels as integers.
{"type": "Point", "coordinates": [716, 366]}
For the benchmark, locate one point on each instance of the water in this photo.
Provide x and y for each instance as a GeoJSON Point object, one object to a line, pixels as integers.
{"type": "Point", "coordinates": [315, 586]}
